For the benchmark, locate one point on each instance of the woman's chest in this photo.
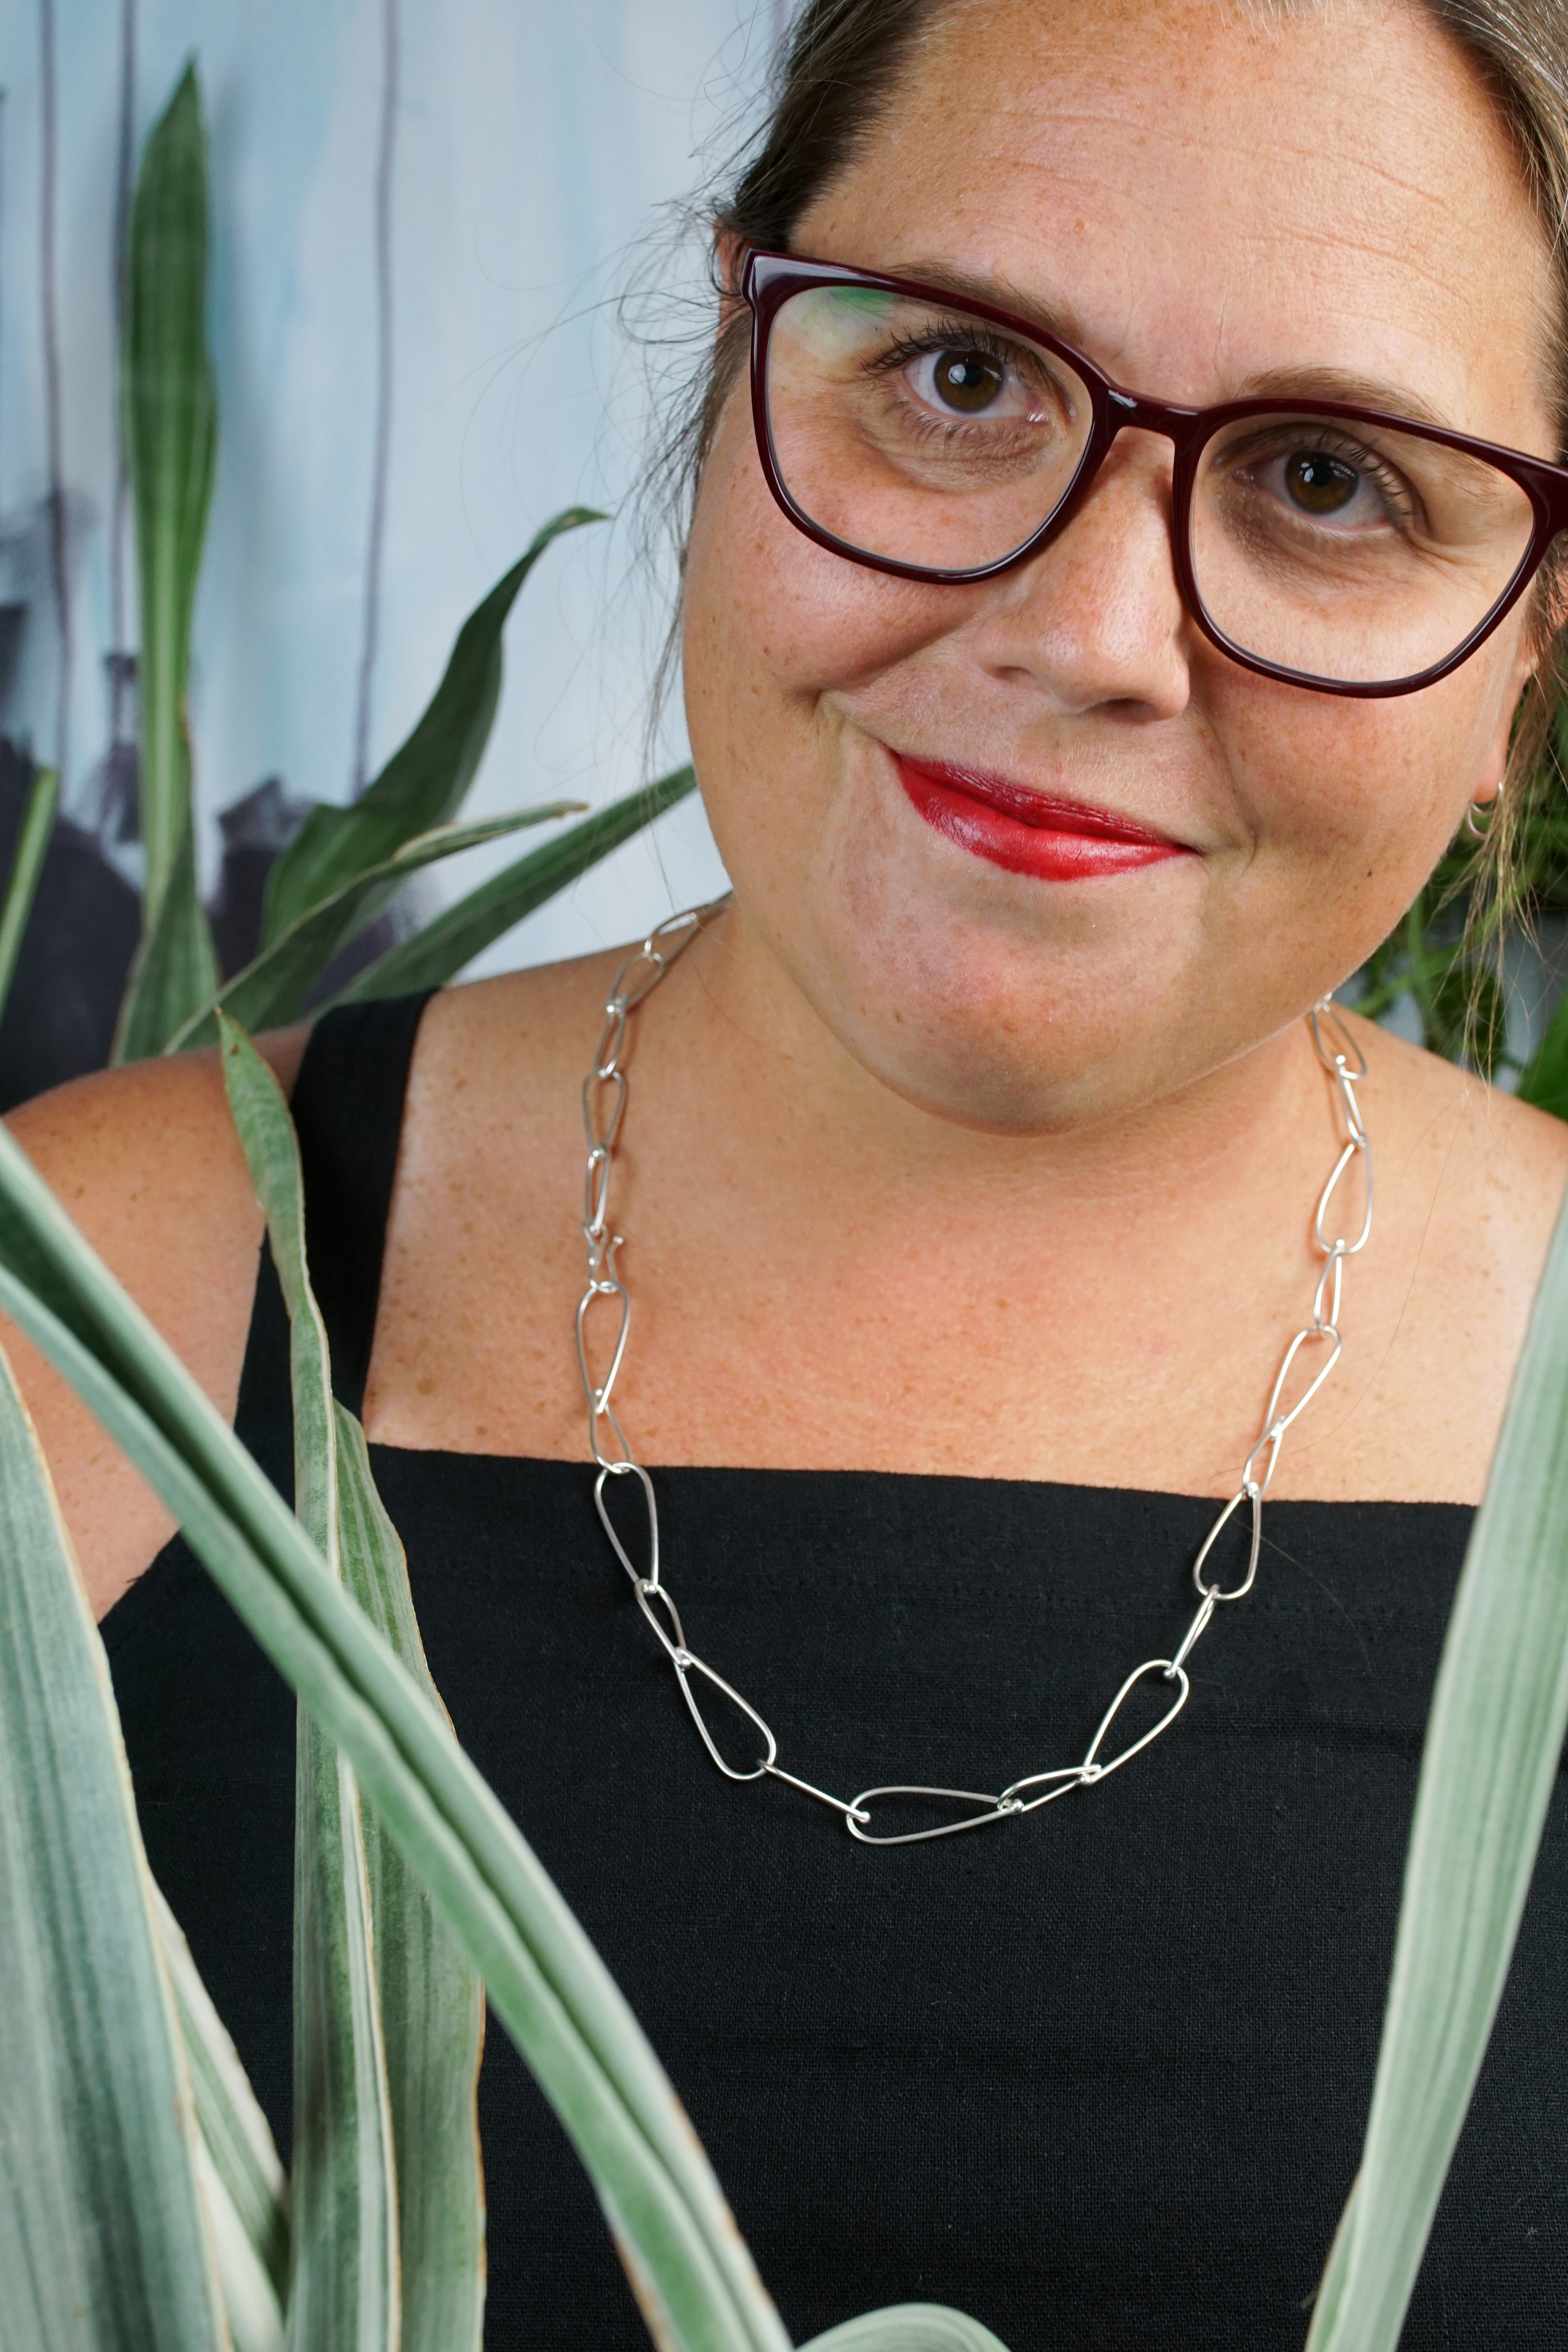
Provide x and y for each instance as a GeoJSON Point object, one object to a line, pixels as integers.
{"type": "Point", "coordinates": [1098, 2075]}
{"type": "Point", "coordinates": [915, 1355]}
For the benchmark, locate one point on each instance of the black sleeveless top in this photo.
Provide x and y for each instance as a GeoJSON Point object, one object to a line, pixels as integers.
{"type": "Point", "coordinates": [1098, 2077]}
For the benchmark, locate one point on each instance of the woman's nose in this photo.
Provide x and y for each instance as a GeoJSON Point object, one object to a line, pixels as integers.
{"type": "Point", "coordinates": [1096, 619]}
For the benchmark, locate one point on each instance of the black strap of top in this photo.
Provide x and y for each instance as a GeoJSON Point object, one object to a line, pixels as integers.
{"type": "Point", "coordinates": [348, 1111]}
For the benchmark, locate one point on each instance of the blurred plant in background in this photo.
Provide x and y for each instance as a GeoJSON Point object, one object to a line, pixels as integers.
{"type": "Point", "coordinates": [1481, 932]}
{"type": "Point", "coordinates": [114, 955]}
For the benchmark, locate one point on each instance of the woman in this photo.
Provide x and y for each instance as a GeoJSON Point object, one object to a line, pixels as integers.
{"type": "Point", "coordinates": [968, 1165]}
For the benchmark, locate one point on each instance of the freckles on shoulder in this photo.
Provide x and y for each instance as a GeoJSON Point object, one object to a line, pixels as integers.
{"type": "Point", "coordinates": [144, 1158]}
{"type": "Point", "coordinates": [146, 1163]}
{"type": "Point", "coordinates": [1485, 1174]}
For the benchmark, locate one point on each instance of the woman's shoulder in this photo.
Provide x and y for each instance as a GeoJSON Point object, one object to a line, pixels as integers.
{"type": "Point", "coordinates": [510, 1051]}
{"type": "Point", "coordinates": [155, 1134]}
{"type": "Point", "coordinates": [146, 1162]}
{"type": "Point", "coordinates": [542, 1016]}
{"type": "Point", "coordinates": [1470, 1186]}
{"type": "Point", "coordinates": [1486, 1154]}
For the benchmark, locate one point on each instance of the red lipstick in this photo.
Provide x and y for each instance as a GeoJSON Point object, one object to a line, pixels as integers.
{"type": "Point", "coordinates": [1027, 831]}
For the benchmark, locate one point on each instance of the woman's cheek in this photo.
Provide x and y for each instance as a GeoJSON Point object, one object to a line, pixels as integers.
{"type": "Point", "coordinates": [776, 629]}
{"type": "Point", "coordinates": [771, 618]}
{"type": "Point", "coordinates": [1362, 797]}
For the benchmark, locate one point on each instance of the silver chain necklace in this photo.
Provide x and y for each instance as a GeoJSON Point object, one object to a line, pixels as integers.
{"type": "Point", "coordinates": [604, 1109]}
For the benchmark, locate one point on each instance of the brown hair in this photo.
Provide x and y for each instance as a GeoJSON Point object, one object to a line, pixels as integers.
{"type": "Point", "coordinates": [841, 69]}
{"type": "Point", "coordinates": [1521, 48]}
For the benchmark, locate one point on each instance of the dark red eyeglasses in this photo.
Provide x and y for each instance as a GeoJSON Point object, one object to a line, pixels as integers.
{"type": "Point", "coordinates": [939, 438]}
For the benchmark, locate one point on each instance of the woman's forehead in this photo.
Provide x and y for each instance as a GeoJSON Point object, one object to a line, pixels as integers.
{"type": "Point", "coordinates": [1215, 194]}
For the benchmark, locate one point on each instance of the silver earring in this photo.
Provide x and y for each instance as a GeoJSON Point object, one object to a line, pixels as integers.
{"type": "Point", "coordinates": [1479, 832]}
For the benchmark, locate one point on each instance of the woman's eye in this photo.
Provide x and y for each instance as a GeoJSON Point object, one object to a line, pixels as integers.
{"type": "Point", "coordinates": [959, 382]}
{"type": "Point", "coordinates": [1319, 483]}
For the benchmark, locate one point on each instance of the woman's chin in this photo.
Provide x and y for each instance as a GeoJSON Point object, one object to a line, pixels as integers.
{"type": "Point", "coordinates": [1033, 1090]}
{"type": "Point", "coordinates": [1023, 1010]}
{"type": "Point", "coordinates": [987, 1037]}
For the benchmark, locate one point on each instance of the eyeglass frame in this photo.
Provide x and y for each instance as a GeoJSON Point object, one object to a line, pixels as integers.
{"type": "Point", "coordinates": [769, 280]}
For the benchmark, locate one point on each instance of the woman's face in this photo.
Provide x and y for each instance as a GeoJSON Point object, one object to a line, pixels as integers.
{"type": "Point", "coordinates": [1216, 206]}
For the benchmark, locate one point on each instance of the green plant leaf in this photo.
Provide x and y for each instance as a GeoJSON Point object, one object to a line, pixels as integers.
{"type": "Point", "coordinates": [254, 2318]}
{"type": "Point", "coordinates": [1456, 991]}
{"type": "Point", "coordinates": [176, 968]}
{"type": "Point", "coordinates": [429, 2003]}
{"type": "Point", "coordinates": [908, 2328]}
{"type": "Point", "coordinates": [346, 2273]}
{"type": "Point", "coordinates": [439, 951]}
{"type": "Point", "coordinates": [233, 2130]}
{"type": "Point", "coordinates": [27, 865]}
{"type": "Point", "coordinates": [266, 1134]}
{"type": "Point", "coordinates": [243, 2189]}
{"type": "Point", "coordinates": [433, 2003]}
{"type": "Point", "coordinates": [546, 1983]}
{"type": "Point", "coordinates": [276, 988]}
{"type": "Point", "coordinates": [103, 2239]}
{"type": "Point", "coordinates": [345, 2280]}
{"type": "Point", "coordinates": [170, 424]}
{"type": "Point", "coordinates": [423, 783]}
{"type": "Point", "coordinates": [251, 2308]}
{"type": "Point", "coordinates": [1493, 1743]}
{"type": "Point", "coordinates": [1330, 2297]}
{"type": "Point", "coordinates": [1543, 1080]}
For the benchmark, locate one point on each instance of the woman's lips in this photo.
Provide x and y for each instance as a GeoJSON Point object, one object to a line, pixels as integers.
{"type": "Point", "coordinates": [1027, 832]}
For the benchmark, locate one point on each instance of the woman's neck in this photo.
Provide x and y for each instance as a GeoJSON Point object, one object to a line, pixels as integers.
{"type": "Point", "coordinates": [807, 1116]}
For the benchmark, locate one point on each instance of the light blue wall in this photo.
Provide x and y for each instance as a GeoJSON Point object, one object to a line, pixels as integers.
{"type": "Point", "coordinates": [531, 144]}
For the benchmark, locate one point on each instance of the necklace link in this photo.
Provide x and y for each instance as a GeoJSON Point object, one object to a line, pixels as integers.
{"type": "Point", "coordinates": [639, 974]}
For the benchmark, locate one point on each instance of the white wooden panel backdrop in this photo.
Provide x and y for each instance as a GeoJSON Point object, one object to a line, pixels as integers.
{"type": "Point", "coordinates": [530, 146]}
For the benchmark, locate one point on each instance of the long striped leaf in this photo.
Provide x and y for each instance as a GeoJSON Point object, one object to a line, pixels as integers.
{"type": "Point", "coordinates": [345, 2285]}
{"type": "Point", "coordinates": [176, 968]}
{"type": "Point", "coordinates": [276, 986]}
{"type": "Point", "coordinates": [546, 1983]}
{"type": "Point", "coordinates": [27, 865]}
{"type": "Point", "coordinates": [267, 1138]}
{"type": "Point", "coordinates": [438, 953]}
{"type": "Point", "coordinates": [104, 2244]}
{"type": "Point", "coordinates": [423, 783]}
{"type": "Point", "coordinates": [345, 2278]}
{"type": "Point", "coordinates": [430, 2003]}
{"type": "Point", "coordinates": [251, 2307]}
{"type": "Point", "coordinates": [170, 439]}
{"type": "Point", "coordinates": [908, 2328]}
{"type": "Point", "coordinates": [433, 2003]}
{"type": "Point", "coordinates": [1493, 1744]}
{"type": "Point", "coordinates": [1329, 2301]}
{"type": "Point", "coordinates": [235, 2131]}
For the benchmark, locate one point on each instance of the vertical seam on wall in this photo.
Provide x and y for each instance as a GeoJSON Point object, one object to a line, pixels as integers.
{"type": "Point", "coordinates": [382, 456]}
{"type": "Point", "coordinates": [3, 95]}
{"type": "Point", "coordinates": [119, 495]}
{"type": "Point", "coordinates": [48, 291]}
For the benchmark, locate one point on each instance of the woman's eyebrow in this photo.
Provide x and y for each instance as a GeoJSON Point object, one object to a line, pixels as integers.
{"type": "Point", "coordinates": [999, 293]}
{"type": "Point", "coordinates": [1344, 384]}
{"type": "Point", "coordinates": [1310, 383]}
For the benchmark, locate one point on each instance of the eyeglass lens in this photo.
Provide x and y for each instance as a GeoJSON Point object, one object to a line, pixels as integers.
{"type": "Point", "coordinates": [922, 434]}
